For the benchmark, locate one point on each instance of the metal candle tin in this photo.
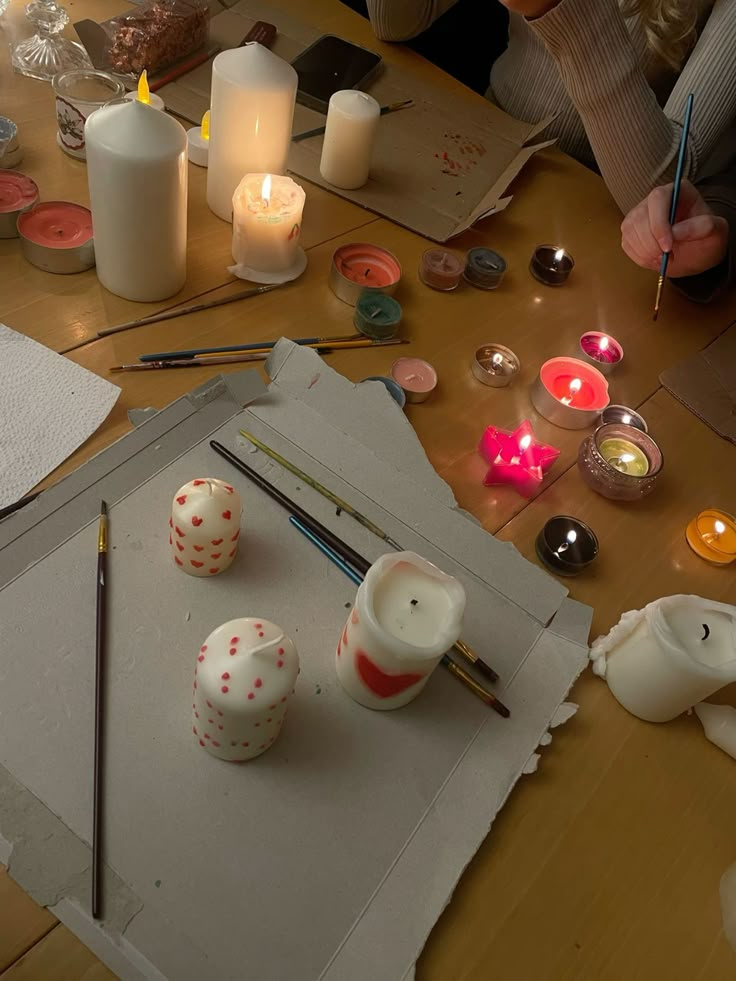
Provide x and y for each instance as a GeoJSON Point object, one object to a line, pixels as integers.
{"type": "Point", "coordinates": [377, 316]}
{"type": "Point", "coordinates": [484, 268]}
{"type": "Point", "coordinates": [11, 153]}
{"type": "Point", "coordinates": [600, 350]}
{"type": "Point", "coordinates": [495, 365]}
{"type": "Point", "coordinates": [360, 268]}
{"type": "Point", "coordinates": [440, 270]}
{"type": "Point", "coordinates": [605, 479]}
{"type": "Point", "coordinates": [56, 236]}
{"type": "Point", "coordinates": [625, 415]}
{"type": "Point", "coordinates": [18, 193]}
{"type": "Point", "coordinates": [569, 416]}
{"type": "Point", "coordinates": [417, 378]}
{"type": "Point", "coordinates": [566, 545]}
{"type": "Point", "coordinates": [551, 265]}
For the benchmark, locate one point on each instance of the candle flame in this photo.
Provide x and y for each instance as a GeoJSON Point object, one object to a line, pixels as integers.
{"type": "Point", "coordinates": [524, 442]}
{"type": "Point", "coordinates": [572, 536]}
{"type": "Point", "coordinates": [627, 458]}
{"type": "Point", "coordinates": [144, 93]}
{"type": "Point", "coordinates": [205, 125]}
{"type": "Point", "coordinates": [575, 386]}
{"type": "Point", "coordinates": [266, 189]}
{"type": "Point", "coordinates": [605, 341]}
{"type": "Point", "coordinates": [559, 255]}
{"type": "Point", "coordinates": [626, 419]}
{"type": "Point", "coordinates": [719, 527]}
{"type": "Point", "coordinates": [497, 359]}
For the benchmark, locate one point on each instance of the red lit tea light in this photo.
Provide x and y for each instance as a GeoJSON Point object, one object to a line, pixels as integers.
{"type": "Point", "coordinates": [417, 378]}
{"type": "Point", "coordinates": [18, 193]}
{"type": "Point", "coordinates": [601, 350]}
{"type": "Point", "coordinates": [358, 268]}
{"type": "Point", "coordinates": [440, 270]}
{"type": "Point", "coordinates": [569, 393]}
{"type": "Point", "coordinates": [56, 236]}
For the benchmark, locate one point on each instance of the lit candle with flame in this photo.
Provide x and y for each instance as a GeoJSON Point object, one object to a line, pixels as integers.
{"type": "Point", "coordinates": [570, 393]}
{"type": "Point", "coordinates": [575, 386]}
{"type": "Point", "coordinates": [267, 219]}
{"type": "Point", "coordinates": [601, 350]}
{"type": "Point", "coordinates": [551, 265]}
{"type": "Point", "coordinates": [712, 536]}
{"type": "Point", "coordinates": [198, 142]}
{"type": "Point", "coordinates": [143, 93]}
{"type": "Point", "coordinates": [516, 458]}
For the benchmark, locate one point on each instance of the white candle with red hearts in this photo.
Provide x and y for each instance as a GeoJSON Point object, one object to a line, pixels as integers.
{"type": "Point", "coordinates": [204, 527]}
{"type": "Point", "coordinates": [407, 614]}
{"type": "Point", "coordinates": [244, 677]}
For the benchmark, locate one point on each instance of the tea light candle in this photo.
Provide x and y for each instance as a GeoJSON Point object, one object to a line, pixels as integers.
{"type": "Point", "coordinates": [620, 462]}
{"type": "Point", "coordinates": [137, 171]}
{"type": "Point", "coordinates": [625, 415]}
{"type": "Point", "coordinates": [143, 94]}
{"type": "Point", "coordinates": [440, 270]}
{"type": "Point", "coordinates": [516, 458]}
{"type": "Point", "coordinates": [495, 365]}
{"type": "Point", "coordinates": [551, 265]}
{"type": "Point", "coordinates": [712, 536]}
{"type": "Point", "coordinates": [569, 393]}
{"type": "Point", "coordinates": [350, 136]}
{"type": "Point", "coordinates": [484, 268]}
{"type": "Point", "coordinates": [407, 614]}
{"type": "Point", "coordinates": [417, 378]}
{"type": "Point", "coordinates": [18, 193]}
{"type": "Point", "coordinates": [267, 221]}
{"type": "Point", "coordinates": [198, 142]}
{"type": "Point", "coordinates": [377, 316]}
{"type": "Point", "coordinates": [252, 105]}
{"type": "Point", "coordinates": [392, 387]}
{"type": "Point", "coordinates": [204, 527]}
{"type": "Point", "coordinates": [662, 660]}
{"type": "Point", "coordinates": [360, 268]}
{"type": "Point", "coordinates": [11, 153]}
{"type": "Point", "coordinates": [244, 678]}
{"type": "Point", "coordinates": [601, 350]}
{"type": "Point", "coordinates": [56, 236]}
{"type": "Point", "coordinates": [566, 545]}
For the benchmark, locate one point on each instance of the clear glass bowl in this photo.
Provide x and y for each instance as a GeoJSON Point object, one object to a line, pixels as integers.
{"type": "Point", "coordinates": [605, 479]}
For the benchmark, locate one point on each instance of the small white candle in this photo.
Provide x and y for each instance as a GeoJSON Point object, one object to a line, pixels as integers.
{"type": "Point", "coordinates": [662, 660]}
{"type": "Point", "coordinates": [350, 135]}
{"type": "Point", "coordinates": [267, 220]}
{"type": "Point", "coordinates": [198, 142]}
{"type": "Point", "coordinates": [252, 104]}
{"type": "Point", "coordinates": [143, 94]}
{"type": "Point", "coordinates": [407, 614]}
{"type": "Point", "coordinates": [204, 527]}
{"type": "Point", "coordinates": [137, 172]}
{"type": "Point", "coordinates": [244, 677]}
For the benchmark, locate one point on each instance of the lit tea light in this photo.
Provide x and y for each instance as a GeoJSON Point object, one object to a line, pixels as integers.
{"type": "Point", "coordinates": [566, 545]}
{"type": "Point", "coordinates": [359, 268]}
{"type": "Point", "coordinates": [625, 456]}
{"type": "Point", "coordinates": [267, 219]}
{"type": "Point", "coordinates": [495, 365]}
{"type": "Point", "coordinates": [551, 265]}
{"type": "Point", "coordinates": [56, 236]}
{"type": "Point", "coordinates": [601, 350]}
{"type": "Point", "coordinates": [569, 393]}
{"type": "Point", "coordinates": [143, 94]}
{"type": "Point", "coordinates": [198, 142]}
{"type": "Point", "coordinates": [712, 536]}
{"type": "Point", "coordinates": [575, 386]}
{"type": "Point", "coordinates": [620, 462]}
{"type": "Point", "coordinates": [624, 415]}
{"type": "Point", "coordinates": [417, 378]}
{"type": "Point", "coordinates": [516, 458]}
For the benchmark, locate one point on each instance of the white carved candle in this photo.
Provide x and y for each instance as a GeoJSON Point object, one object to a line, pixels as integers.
{"type": "Point", "coordinates": [267, 221]}
{"type": "Point", "coordinates": [662, 660]}
{"type": "Point", "coordinates": [407, 614]}
{"type": "Point", "coordinates": [244, 676]}
{"type": "Point", "coordinates": [204, 527]}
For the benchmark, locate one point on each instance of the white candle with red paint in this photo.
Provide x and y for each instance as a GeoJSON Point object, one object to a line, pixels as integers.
{"type": "Point", "coordinates": [204, 527]}
{"type": "Point", "coordinates": [407, 614]}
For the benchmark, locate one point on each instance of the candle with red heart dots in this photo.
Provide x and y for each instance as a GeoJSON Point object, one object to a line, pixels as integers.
{"type": "Point", "coordinates": [407, 614]}
{"type": "Point", "coordinates": [204, 527]}
{"type": "Point", "coordinates": [244, 676]}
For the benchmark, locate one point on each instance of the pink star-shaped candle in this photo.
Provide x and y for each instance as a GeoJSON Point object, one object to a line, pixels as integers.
{"type": "Point", "coordinates": [516, 458]}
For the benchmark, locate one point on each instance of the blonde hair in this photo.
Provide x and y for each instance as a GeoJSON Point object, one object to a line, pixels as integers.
{"type": "Point", "coordinates": [670, 26]}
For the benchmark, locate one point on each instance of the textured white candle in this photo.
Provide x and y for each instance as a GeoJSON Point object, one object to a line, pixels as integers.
{"type": "Point", "coordinates": [267, 220]}
{"type": "Point", "coordinates": [137, 172]}
{"type": "Point", "coordinates": [252, 110]}
{"type": "Point", "coordinates": [204, 527]}
{"type": "Point", "coordinates": [407, 614]}
{"type": "Point", "coordinates": [350, 134]}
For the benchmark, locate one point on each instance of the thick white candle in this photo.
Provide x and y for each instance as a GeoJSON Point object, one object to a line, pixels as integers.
{"type": "Point", "coordinates": [252, 110]}
{"type": "Point", "coordinates": [350, 134]}
{"type": "Point", "coordinates": [204, 527]}
{"type": "Point", "coordinates": [662, 660]}
{"type": "Point", "coordinates": [407, 614]}
{"type": "Point", "coordinates": [244, 676]}
{"type": "Point", "coordinates": [267, 220]}
{"type": "Point", "coordinates": [137, 172]}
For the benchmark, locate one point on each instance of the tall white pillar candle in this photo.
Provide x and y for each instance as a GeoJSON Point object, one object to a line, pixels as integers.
{"type": "Point", "coordinates": [267, 221]}
{"type": "Point", "coordinates": [137, 172]}
{"type": "Point", "coordinates": [662, 660]}
{"type": "Point", "coordinates": [407, 614]}
{"type": "Point", "coordinates": [350, 135]}
{"type": "Point", "coordinates": [204, 526]}
{"type": "Point", "coordinates": [251, 115]}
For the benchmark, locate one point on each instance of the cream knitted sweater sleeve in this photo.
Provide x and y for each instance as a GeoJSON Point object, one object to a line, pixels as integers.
{"type": "Point", "coordinates": [401, 20]}
{"type": "Point", "coordinates": [634, 140]}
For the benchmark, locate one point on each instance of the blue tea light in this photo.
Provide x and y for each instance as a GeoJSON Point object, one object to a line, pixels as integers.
{"type": "Point", "coordinates": [484, 268]}
{"type": "Point", "coordinates": [377, 316]}
{"type": "Point", "coordinates": [394, 389]}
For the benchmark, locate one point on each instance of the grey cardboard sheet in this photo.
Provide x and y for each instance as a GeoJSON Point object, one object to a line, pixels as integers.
{"type": "Point", "coordinates": [332, 855]}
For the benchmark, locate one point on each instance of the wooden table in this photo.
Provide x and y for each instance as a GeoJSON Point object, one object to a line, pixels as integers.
{"type": "Point", "coordinates": [606, 863]}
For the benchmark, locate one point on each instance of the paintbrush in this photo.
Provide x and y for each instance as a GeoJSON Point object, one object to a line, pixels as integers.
{"type": "Point", "coordinates": [675, 198]}
{"type": "Point", "coordinates": [233, 348]}
{"type": "Point", "coordinates": [191, 362]}
{"type": "Point", "coordinates": [100, 650]}
{"type": "Point", "coordinates": [385, 110]}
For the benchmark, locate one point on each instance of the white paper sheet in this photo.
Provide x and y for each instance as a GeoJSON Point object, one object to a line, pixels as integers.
{"type": "Point", "coordinates": [48, 407]}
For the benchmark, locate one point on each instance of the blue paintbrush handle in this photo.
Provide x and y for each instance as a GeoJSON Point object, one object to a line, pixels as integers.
{"type": "Point", "coordinates": [326, 550]}
{"type": "Point", "coordinates": [681, 158]}
{"type": "Point", "coordinates": [231, 348]}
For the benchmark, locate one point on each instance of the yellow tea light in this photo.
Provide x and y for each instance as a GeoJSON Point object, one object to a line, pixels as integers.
{"type": "Point", "coordinates": [625, 456]}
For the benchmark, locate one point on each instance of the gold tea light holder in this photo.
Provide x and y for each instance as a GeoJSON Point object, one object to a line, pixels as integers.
{"type": "Point", "coordinates": [360, 268]}
{"type": "Point", "coordinates": [495, 365]}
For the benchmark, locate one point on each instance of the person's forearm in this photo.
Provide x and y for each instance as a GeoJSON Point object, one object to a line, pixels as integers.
{"type": "Point", "coordinates": [400, 20]}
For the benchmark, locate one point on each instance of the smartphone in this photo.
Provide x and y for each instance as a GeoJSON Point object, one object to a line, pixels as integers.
{"type": "Point", "coordinates": [331, 64]}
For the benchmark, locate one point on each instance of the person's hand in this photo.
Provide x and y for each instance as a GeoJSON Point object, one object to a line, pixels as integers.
{"type": "Point", "coordinates": [698, 240]}
{"type": "Point", "coordinates": [530, 8]}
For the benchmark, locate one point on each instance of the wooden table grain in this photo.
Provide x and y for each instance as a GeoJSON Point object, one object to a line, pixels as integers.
{"type": "Point", "coordinates": [605, 864]}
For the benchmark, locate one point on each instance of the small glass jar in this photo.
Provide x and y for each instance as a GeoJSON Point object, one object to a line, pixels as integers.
{"type": "Point", "coordinates": [78, 93]}
{"type": "Point", "coordinates": [608, 477]}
